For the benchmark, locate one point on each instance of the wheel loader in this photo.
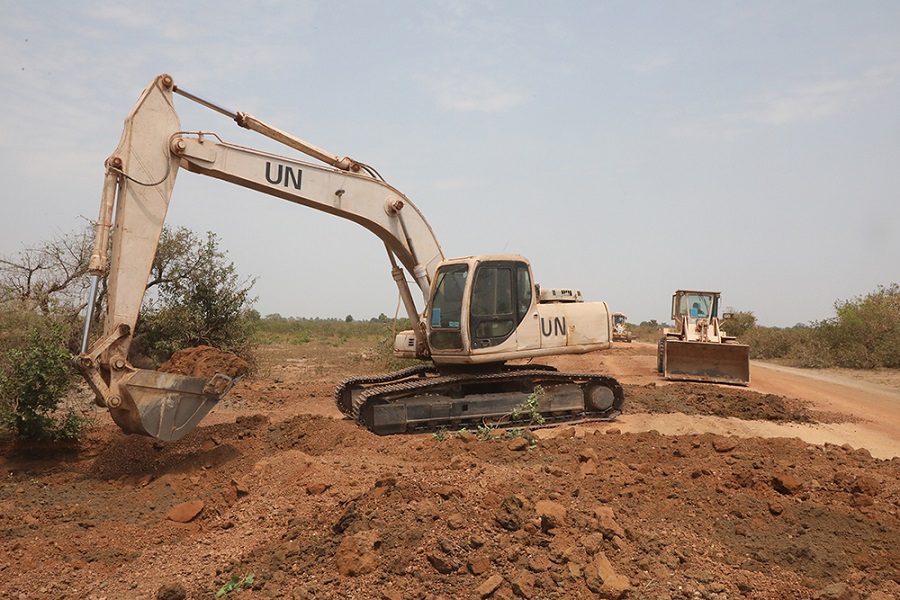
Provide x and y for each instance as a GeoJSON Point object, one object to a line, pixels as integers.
{"type": "Point", "coordinates": [620, 328]}
{"type": "Point", "coordinates": [479, 312]}
{"type": "Point", "coordinates": [697, 348]}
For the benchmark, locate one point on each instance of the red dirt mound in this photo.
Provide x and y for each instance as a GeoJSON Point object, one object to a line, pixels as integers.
{"type": "Point", "coordinates": [205, 362]}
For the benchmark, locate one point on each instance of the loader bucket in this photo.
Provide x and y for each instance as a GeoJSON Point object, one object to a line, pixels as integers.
{"type": "Point", "coordinates": [167, 405]}
{"type": "Point", "coordinates": [705, 361]}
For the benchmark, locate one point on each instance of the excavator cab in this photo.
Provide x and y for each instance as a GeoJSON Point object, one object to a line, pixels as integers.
{"type": "Point", "coordinates": [481, 315]}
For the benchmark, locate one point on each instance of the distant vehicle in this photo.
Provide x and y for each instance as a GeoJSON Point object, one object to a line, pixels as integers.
{"type": "Point", "coordinates": [697, 349]}
{"type": "Point", "coordinates": [620, 333]}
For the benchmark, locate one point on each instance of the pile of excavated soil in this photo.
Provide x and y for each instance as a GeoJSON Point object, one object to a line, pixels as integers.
{"type": "Point", "coordinates": [316, 507]}
{"type": "Point", "coordinates": [205, 362]}
{"type": "Point", "coordinates": [719, 401]}
{"type": "Point", "coordinates": [276, 484]}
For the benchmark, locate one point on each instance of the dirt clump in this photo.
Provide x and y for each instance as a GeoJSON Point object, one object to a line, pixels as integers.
{"type": "Point", "coordinates": [205, 362]}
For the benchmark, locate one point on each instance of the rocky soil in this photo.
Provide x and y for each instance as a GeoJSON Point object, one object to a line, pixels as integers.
{"type": "Point", "coordinates": [276, 484]}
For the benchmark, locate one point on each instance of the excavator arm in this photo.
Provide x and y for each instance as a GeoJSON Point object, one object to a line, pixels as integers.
{"type": "Point", "coordinates": [140, 177]}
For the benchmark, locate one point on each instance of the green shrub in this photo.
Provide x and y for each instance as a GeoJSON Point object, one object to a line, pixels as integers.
{"type": "Point", "coordinates": [865, 333]}
{"type": "Point", "coordinates": [740, 323]}
{"type": "Point", "coordinates": [531, 407]}
{"type": "Point", "coordinates": [33, 379]}
{"type": "Point", "coordinates": [235, 583]}
{"type": "Point", "coordinates": [198, 299]}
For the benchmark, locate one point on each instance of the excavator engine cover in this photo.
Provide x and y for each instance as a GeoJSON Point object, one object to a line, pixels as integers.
{"type": "Point", "coordinates": [706, 361]}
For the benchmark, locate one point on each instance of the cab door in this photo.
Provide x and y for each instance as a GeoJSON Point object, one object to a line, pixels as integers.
{"type": "Point", "coordinates": [502, 294]}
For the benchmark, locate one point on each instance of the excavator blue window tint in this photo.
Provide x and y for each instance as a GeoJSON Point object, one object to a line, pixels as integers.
{"type": "Point", "coordinates": [435, 317]}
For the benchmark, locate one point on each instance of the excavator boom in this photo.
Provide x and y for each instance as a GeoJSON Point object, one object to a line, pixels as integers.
{"type": "Point", "coordinates": [139, 181]}
{"type": "Point", "coordinates": [487, 311]}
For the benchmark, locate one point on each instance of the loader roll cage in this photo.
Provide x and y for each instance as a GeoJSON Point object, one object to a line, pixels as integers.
{"type": "Point", "coordinates": [696, 305]}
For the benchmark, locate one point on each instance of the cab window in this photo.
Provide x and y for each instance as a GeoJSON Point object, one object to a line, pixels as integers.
{"type": "Point", "coordinates": [696, 306]}
{"type": "Point", "coordinates": [446, 307]}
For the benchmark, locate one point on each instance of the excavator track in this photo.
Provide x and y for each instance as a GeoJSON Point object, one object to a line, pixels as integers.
{"type": "Point", "coordinates": [350, 387]}
{"type": "Point", "coordinates": [459, 400]}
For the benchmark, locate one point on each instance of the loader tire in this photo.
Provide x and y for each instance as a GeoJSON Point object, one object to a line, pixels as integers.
{"type": "Point", "coordinates": [660, 355]}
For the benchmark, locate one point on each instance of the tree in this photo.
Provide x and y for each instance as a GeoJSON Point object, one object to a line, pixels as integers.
{"type": "Point", "coordinates": [49, 277]}
{"type": "Point", "coordinates": [197, 299]}
{"type": "Point", "coordinates": [740, 322]}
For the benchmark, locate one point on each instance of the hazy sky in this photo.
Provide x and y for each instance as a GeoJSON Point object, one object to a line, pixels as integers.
{"type": "Point", "coordinates": [626, 148]}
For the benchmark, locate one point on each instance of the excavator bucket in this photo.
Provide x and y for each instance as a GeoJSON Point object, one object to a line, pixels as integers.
{"type": "Point", "coordinates": [167, 405]}
{"type": "Point", "coordinates": [709, 362]}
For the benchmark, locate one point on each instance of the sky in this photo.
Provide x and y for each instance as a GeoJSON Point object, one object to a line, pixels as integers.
{"type": "Point", "coordinates": [627, 149]}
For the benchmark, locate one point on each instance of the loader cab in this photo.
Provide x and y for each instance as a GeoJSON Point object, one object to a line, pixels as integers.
{"type": "Point", "coordinates": [478, 302]}
{"type": "Point", "coordinates": [695, 305]}
{"type": "Point", "coordinates": [619, 319]}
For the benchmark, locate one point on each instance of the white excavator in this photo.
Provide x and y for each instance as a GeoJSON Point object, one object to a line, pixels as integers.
{"type": "Point", "coordinates": [480, 312]}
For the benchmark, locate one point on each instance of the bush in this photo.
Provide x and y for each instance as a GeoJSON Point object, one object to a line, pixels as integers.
{"type": "Point", "coordinates": [768, 342]}
{"type": "Point", "coordinates": [33, 379]}
{"type": "Point", "coordinates": [865, 333]}
{"type": "Point", "coordinates": [740, 323]}
{"type": "Point", "coordinates": [647, 331]}
{"type": "Point", "coordinates": [808, 351]}
{"type": "Point", "coordinates": [198, 300]}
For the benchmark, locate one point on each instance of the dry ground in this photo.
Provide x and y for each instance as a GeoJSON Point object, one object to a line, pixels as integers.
{"type": "Point", "coordinates": [697, 491]}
